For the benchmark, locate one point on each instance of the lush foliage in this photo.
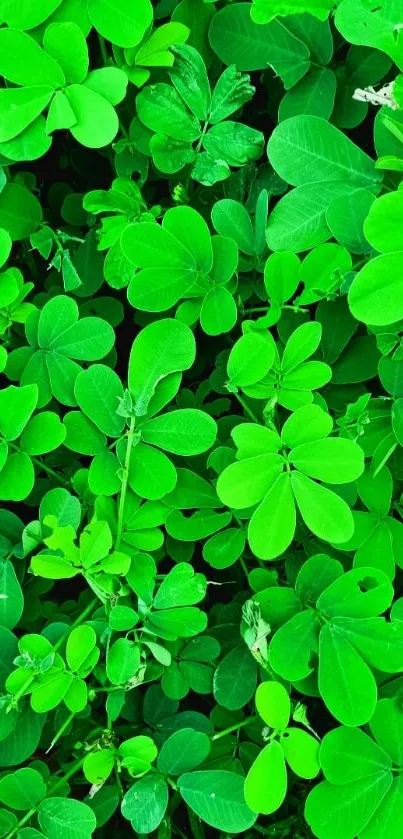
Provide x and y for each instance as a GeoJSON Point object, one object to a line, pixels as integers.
{"type": "Point", "coordinates": [201, 419]}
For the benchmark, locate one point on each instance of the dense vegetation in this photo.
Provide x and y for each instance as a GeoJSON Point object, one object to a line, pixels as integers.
{"type": "Point", "coordinates": [201, 419]}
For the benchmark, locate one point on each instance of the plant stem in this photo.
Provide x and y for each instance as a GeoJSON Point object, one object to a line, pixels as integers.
{"type": "Point", "coordinates": [102, 44]}
{"type": "Point", "coordinates": [125, 477]}
{"type": "Point", "coordinates": [61, 731]}
{"type": "Point", "coordinates": [246, 407]}
{"type": "Point", "coordinates": [235, 727]}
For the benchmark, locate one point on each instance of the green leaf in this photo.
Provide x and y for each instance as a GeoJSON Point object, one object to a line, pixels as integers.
{"type": "Point", "coordinates": [181, 587]}
{"type": "Point", "coordinates": [316, 575]}
{"type": "Point", "coordinates": [109, 82]}
{"type": "Point", "coordinates": [217, 797]}
{"type": "Point", "coordinates": [98, 766]}
{"type": "Point", "coordinates": [236, 39]}
{"type": "Point", "coordinates": [19, 107]}
{"type": "Point", "coordinates": [264, 10]}
{"type": "Point", "coordinates": [22, 742]}
{"type": "Point", "coordinates": [343, 812]}
{"type": "Point", "coordinates": [17, 404]}
{"type": "Point", "coordinates": [161, 109]}
{"type": "Point", "coordinates": [151, 474]}
{"type": "Point", "coordinates": [20, 211]}
{"type": "Point", "coordinates": [218, 312]}
{"type": "Point", "coordinates": [251, 357]}
{"type": "Point", "coordinates": [293, 645]}
{"type": "Point", "coordinates": [154, 52]}
{"type": "Point", "coordinates": [301, 752]}
{"type": "Point", "coordinates": [293, 151]}
{"type": "Point", "coordinates": [374, 639]}
{"type": "Point", "coordinates": [333, 460]}
{"type": "Point", "coordinates": [381, 226]}
{"type": "Point", "coordinates": [165, 346]}
{"type": "Point", "coordinates": [24, 62]}
{"type": "Point", "coordinates": [235, 679]}
{"type": "Point", "coordinates": [183, 751]}
{"type": "Point", "coordinates": [273, 704]}
{"type": "Point", "coordinates": [5, 246]}
{"type": "Point", "coordinates": [324, 512]}
{"type": "Point", "coordinates": [123, 661]}
{"type": "Point", "coordinates": [27, 17]}
{"type": "Point", "coordinates": [208, 171]}
{"type": "Point", "coordinates": [298, 221]}
{"type": "Point", "coordinates": [376, 292]}
{"type": "Point", "coordinates": [182, 622]}
{"type": "Point", "coordinates": [360, 24]}
{"type": "Point", "coordinates": [387, 821]}
{"type": "Point", "coordinates": [119, 22]}
{"type": "Point", "coordinates": [301, 345]}
{"type": "Point", "coordinates": [223, 549]}
{"type": "Point", "coordinates": [145, 803]}
{"type": "Point", "coordinates": [387, 728]}
{"type": "Point", "coordinates": [233, 142]}
{"type": "Point", "coordinates": [281, 276]}
{"type": "Point", "coordinates": [50, 690]}
{"type": "Point", "coordinates": [266, 781]}
{"type": "Point", "coordinates": [23, 789]}
{"type": "Point", "coordinates": [306, 425]}
{"type": "Point", "coordinates": [232, 90]}
{"type": "Point", "coordinates": [53, 567]}
{"type": "Point", "coordinates": [66, 43]}
{"type": "Point", "coordinates": [272, 526]}
{"type": "Point", "coordinates": [80, 645]}
{"type": "Point", "coordinates": [313, 95]}
{"type": "Point", "coordinates": [246, 482]}
{"type": "Point", "coordinates": [82, 435]}
{"type": "Point", "coordinates": [189, 75]}
{"type": "Point", "coordinates": [43, 433]}
{"type": "Point", "coordinates": [170, 155]}
{"type": "Point", "coordinates": [32, 143]}
{"type": "Point", "coordinates": [74, 818]}
{"type": "Point", "coordinates": [346, 683]}
{"type": "Point", "coordinates": [98, 391]}
{"type": "Point", "coordinates": [96, 120]}
{"type": "Point", "coordinates": [12, 600]}
{"type": "Point", "coordinates": [186, 431]}
{"type": "Point", "coordinates": [8, 822]}
{"type": "Point", "coordinates": [348, 755]}
{"type": "Point", "coordinates": [230, 218]}
{"type": "Point", "coordinates": [321, 270]}
{"type": "Point", "coordinates": [360, 593]}
{"type": "Point", "coordinates": [345, 218]}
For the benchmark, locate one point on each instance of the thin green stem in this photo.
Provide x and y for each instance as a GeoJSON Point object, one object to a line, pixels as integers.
{"type": "Point", "coordinates": [235, 727]}
{"type": "Point", "coordinates": [284, 306]}
{"type": "Point", "coordinates": [246, 407]}
{"type": "Point", "coordinates": [102, 44]}
{"type": "Point", "coordinates": [125, 478]}
{"type": "Point", "coordinates": [61, 731]}
{"type": "Point", "coordinates": [123, 130]}
{"type": "Point", "coordinates": [244, 567]}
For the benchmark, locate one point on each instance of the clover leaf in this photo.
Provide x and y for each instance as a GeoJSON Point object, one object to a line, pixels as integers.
{"type": "Point", "coordinates": [194, 264]}
{"type": "Point", "coordinates": [263, 476]}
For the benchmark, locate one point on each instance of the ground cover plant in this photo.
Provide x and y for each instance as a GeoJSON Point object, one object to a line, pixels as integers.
{"type": "Point", "coordinates": [201, 419]}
